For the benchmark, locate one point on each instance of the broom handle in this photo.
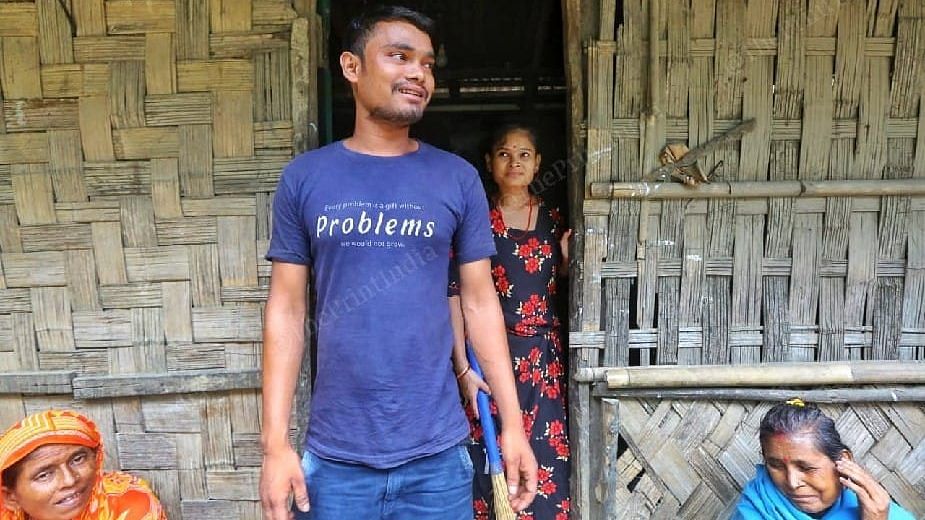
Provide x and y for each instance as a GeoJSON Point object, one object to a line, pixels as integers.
{"type": "Point", "coordinates": [488, 425]}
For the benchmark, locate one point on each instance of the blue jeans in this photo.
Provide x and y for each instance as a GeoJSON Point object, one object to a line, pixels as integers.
{"type": "Point", "coordinates": [437, 487]}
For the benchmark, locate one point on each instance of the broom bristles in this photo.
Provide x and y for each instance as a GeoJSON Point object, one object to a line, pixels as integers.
{"type": "Point", "coordinates": [503, 510]}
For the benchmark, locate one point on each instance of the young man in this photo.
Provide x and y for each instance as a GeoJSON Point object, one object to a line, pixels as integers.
{"type": "Point", "coordinates": [373, 217]}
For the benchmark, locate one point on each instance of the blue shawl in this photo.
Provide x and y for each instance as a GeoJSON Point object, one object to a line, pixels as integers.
{"type": "Point", "coordinates": [761, 500]}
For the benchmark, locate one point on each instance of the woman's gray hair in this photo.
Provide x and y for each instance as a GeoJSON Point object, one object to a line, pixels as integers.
{"type": "Point", "coordinates": [798, 417]}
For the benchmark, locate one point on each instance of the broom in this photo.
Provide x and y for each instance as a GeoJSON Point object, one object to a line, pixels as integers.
{"type": "Point", "coordinates": [502, 505]}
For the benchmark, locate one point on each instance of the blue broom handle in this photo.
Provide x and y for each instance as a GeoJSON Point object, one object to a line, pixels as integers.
{"type": "Point", "coordinates": [488, 425]}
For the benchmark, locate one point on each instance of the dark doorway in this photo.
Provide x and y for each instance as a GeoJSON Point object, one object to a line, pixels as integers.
{"type": "Point", "coordinates": [498, 61]}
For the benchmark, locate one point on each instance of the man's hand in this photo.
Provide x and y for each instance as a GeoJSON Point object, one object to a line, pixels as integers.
{"type": "Point", "coordinates": [280, 476]}
{"type": "Point", "coordinates": [872, 497]}
{"type": "Point", "coordinates": [519, 467]}
{"type": "Point", "coordinates": [469, 385]}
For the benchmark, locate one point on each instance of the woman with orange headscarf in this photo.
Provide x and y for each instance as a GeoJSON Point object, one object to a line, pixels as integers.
{"type": "Point", "coordinates": [52, 469]}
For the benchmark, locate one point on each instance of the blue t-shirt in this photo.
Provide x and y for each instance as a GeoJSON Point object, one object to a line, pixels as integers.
{"type": "Point", "coordinates": [376, 232]}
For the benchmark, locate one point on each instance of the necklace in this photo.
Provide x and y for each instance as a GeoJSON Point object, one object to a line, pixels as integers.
{"type": "Point", "coordinates": [526, 228]}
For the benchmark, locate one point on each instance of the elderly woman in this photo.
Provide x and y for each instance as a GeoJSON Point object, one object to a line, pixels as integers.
{"type": "Point", "coordinates": [52, 469]}
{"type": "Point", "coordinates": [809, 473]}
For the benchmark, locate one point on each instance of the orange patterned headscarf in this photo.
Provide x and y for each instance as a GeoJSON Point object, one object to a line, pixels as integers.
{"type": "Point", "coordinates": [115, 496]}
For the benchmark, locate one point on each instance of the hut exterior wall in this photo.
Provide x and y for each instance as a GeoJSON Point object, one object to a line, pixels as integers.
{"type": "Point", "coordinates": [140, 144]}
{"type": "Point", "coordinates": [799, 250]}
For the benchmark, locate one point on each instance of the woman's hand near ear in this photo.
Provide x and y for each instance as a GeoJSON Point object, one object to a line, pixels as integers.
{"type": "Point", "coordinates": [872, 497]}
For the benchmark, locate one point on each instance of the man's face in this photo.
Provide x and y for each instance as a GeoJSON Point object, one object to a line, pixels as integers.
{"type": "Point", "coordinates": [395, 79]}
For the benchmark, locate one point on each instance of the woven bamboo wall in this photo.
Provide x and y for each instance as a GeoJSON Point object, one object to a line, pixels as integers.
{"type": "Point", "coordinates": [140, 142]}
{"type": "Point", "coordinates": [835, 89]}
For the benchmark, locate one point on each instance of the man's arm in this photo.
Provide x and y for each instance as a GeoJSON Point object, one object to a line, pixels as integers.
{"type": "Point", "coordinates": [485, 325]}
{"type": "Point", "coordinates": [283, 337]}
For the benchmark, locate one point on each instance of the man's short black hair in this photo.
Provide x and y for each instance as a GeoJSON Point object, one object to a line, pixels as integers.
{"type": "Point", "coordinates": [359, 29]}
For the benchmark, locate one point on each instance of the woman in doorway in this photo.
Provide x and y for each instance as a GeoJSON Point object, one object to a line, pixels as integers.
{"type": "Point", "coordinates": [532, 252]}
{"type": "Point", "coordinates": [809, 473]}
{"type": "Point", "coordinates": [52, 469]}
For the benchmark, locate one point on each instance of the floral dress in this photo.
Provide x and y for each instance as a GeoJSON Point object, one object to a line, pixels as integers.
{"type": "Point", "coordinates": [525, 271]}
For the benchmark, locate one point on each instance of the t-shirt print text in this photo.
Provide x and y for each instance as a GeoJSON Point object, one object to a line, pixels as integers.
{"type": "Point", "coordinates": [373, 224]}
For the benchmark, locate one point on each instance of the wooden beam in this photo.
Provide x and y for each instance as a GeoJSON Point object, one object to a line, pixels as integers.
{"type": "Point", "coordinates": [758, 375]}
{"type": "Point", "coordinates": [757, 189]}
{"type": "Point", "coordinates": [97, 387]}
{"type": "Point", "coordinates": [890, 394]}
{"type": "Point", "coordinates": [36, 383]}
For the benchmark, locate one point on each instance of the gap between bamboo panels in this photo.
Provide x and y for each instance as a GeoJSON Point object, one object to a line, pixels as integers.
{"type": "Point", "coordinates": [759, 189]}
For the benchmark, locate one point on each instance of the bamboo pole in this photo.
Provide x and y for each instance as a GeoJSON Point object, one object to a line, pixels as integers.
{"type": "Point", "coordinates": [891, 394]}
{"type": "Point", "coordinates": [751, 190]}
{"type": "Point", "coordinates": [761, 375]}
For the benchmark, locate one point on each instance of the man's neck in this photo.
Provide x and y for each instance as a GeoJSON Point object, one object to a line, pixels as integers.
{"type": "Point", "coordinates": [377, 138]}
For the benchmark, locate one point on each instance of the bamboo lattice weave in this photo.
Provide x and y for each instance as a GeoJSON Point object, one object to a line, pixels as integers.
{"type": "Point", "coordinates": [808, 246]}
{"type": "Point", "coordinates": [140, 145]}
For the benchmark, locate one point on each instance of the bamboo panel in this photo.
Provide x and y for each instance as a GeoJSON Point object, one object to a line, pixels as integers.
{"type": "Point", "coordinates": [34, 269]}
{"type": "Point", "coordinates": [9, 230]}
{"type": "Point", "coordinates": [95, 128]}
{"type": "Point", "coordinates": [237, 251]}
{"type": "Point", "coordinates": [222, 324]}
{"type": "Point", "coordinates": [146, 451]}
{"type": "Point", "coordinates": [111, 179]}
{"type": "Point", "coordinates": [133, 295]}
{"type": "Point", "coordinates": [219, 207]}
{"type": "Point", "coordinates": [138, 222]}
{"type": "Point", "coordinates": [165, 189]}
{"type": "Point", "coordinates": [105, 49]}
{"type": "Point", "coordinates": [249, 175]}
{"type": "Point", "coordinates": [148, 337]}
{"type": "Point", "coordinates": [272, 14]}
{"type": "Point", "coordinates": [177, 316]}
{"type": "Point", "coordinates": [218, 453]}
{"type": "Point", "coordinates": [195, 356]}
{"type": "Point", "coordinates": [133, 16]}
{"type": "Point", "coordinates": [230, 15]}
{"type": "Point", "coordinates": [193, 29]}
{"type": "Point", "coordinates": [55, 31]}
{"type": "Point", "coordinates": [90, 18]}
{"type": "Point", "coordinates": [65, 164]}
{"type": "Point", "coordinates": [146, 143]}
{"type": "Point", "coordinates": [271, 86]}
{"type": "Point", "coordinates": [187, 231]}
{"type": "Point", "coordinates": [56, 237]}
{"type": "Point", "coordinates": [107, 249]}
{"type": "Point", "coordinates": [23, 148]}
{"type": "Point", "coordinates": [51, 311]}
{"type": "Point", "coordinates": [233, 126]}
{"type": "Point", "coordinates": [19, 67]}
{"type": "Point", "coordinates": [190, 466]}
{"type": "Point", "coordinates": [178, 109]}
{"type": "Point", "coordinates": [127, 91]}
{"type": "Point", "coordinates": [81, 280]}
{"type": "Point", "coordinates": [273, 134]}
{"type": "Point", "coordinates": [33, 193]}
{"type": "Point", "coordinates": [82, 362]}
{"type": "Point", "coordinates": [201, 76]}
{"type": "Point", "coordinates": [204, 277]}
{"type": "Point", "coordinates": [157, 264]}
{"type": "Point", "coordinates": [102, 329]}
{"type": "Point", "coordinates": [40, 114]}
{"type": "Point", "coordinates": [18, 19]}
{"type": "Point", "coordinates": [232, 485]}
{"type": "Point", "coordinates": [15, 300]}
{"type": "Point", "coordinates": [87, 212]}
{"type": "Point", "coordinates": [245, 45]}
{"type": "Point", "coordinates": [160, 64]}
{"type": "Point", "coordinates": [62, 80]}
{"type": "Point", "coordinates": [195, 161]}
{"type": "Point", "coordinates": [6, 187]}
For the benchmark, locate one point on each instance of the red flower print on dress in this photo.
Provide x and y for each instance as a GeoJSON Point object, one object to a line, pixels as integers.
{"type": "Point", "coordinates": [503, 285]}
{"type": "Point", "coordinates": [533, 253]}
{"type": "Point", "coordinates": [497, 223]}
{"type": "Point", "coordinates": [480, 509]}
{"type": "Point", "coordinates": [545, 485]}
{"type": "Point", "coordinates": [564, 508]}
{"type": "Point", "coordinates": [529, 418]}
{"type": "Point", "coordinates": [533, 314]}
{"type": "Point", "coordinates": [558, 439]}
